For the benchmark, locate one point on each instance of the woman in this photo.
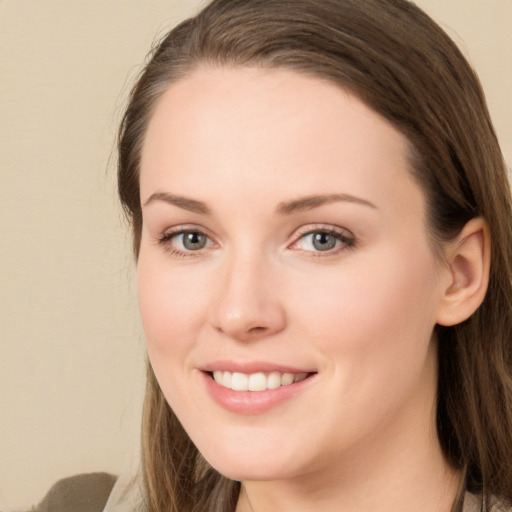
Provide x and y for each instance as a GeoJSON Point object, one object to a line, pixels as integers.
{"type": "Point", "coordinates": [322, 224]}
{"type": "Point", "coordinates": [321, 217]}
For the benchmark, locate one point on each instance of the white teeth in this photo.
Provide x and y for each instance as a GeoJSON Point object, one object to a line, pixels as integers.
{"type": "Point", "coordinates": [239, 382]}
{"type": "Point", "coordinates": [226, 379]}
{"type": "Point", "coordinates": [256, 381]}
{"type": "Point", "coordinates": [274, 380]}
{"type": "Point", "coordinates": [287, 379]}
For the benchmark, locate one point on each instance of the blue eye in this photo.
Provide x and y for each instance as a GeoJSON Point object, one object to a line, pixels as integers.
{"type": "Point", "coordinates": [193, 240]}
{"type": "Point", "coordinates": [322, 240]}
{"type": "Point", "coordinates": [185, 241]}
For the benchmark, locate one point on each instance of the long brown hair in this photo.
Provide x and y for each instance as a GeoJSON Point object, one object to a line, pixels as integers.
{"type": "Point", "coordinates": [400, 63]}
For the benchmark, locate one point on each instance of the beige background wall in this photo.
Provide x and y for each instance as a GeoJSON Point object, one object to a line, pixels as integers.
{"type": "Point", "coordinates": [71, 352]}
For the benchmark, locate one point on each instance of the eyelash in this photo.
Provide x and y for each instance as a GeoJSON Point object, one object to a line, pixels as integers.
{"type": "Point", "coordinates": [165, 241]}
{"type": "Point", "coordinates": [345, 237]}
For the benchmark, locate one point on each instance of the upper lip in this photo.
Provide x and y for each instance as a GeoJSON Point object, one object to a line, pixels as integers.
{"type": "Point", "coordinates": [249, 367]}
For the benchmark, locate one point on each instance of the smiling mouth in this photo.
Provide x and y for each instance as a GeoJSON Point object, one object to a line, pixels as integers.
{"type": "Point", "coordinates": [259, 381]}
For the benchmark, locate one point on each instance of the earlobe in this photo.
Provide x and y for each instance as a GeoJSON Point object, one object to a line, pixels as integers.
{"type": "Point", "coordinates": [468, 263]}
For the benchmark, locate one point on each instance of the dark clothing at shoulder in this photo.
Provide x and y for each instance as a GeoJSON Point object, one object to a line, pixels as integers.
{"type": "Point", "coordinates": [81, 493]}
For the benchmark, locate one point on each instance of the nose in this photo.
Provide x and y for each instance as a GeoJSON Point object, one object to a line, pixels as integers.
{"type": "Point", "coordinates": [247, 305]}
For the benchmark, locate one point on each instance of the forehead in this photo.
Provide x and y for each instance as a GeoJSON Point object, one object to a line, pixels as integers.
{"type": "Point", "coordinates": [247, 126]}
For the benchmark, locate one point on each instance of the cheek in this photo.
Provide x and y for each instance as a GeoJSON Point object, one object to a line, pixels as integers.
{"type": "Point", "coordinates": [381, 307]}
{"type": "Point", "coordinates": [170, 308]}
{"type": "Point", "coordinates": [372, 326]}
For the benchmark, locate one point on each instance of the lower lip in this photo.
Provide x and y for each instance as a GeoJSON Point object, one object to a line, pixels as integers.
{"type": "Point", "coordinates": [252, 402]}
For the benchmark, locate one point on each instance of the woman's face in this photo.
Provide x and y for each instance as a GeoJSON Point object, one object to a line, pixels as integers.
{"type": "Point", "coordinates": [284, 249]}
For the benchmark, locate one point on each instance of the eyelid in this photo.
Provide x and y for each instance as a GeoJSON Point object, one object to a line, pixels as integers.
{"type": "Point", "coordinates": [345, 236]}
{"type": "Point", "coordinates": [166, 236]}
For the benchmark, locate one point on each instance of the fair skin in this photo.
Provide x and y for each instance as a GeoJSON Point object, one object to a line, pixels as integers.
{"type": "Point", "coordinates": [282, 233]}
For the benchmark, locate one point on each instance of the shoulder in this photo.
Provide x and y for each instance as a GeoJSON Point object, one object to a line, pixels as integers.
{"type": "Point", "coordinates": [127, 495]}
{"type": "Point", "coordinates": [81, 493]}
{"type": "Point", "coordinates": [473, 503]}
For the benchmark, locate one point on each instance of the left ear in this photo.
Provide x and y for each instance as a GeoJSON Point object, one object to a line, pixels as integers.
{"type": "Point", "coordinates": [468, 261]}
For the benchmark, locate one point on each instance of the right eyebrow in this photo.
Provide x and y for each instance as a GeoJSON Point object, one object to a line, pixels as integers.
{"type": "Point", "coordinates": [315, 201]}
{"type": "Point", "coordinates": [185, 203]}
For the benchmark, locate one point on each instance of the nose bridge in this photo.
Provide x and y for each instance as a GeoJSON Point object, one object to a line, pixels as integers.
{"type": "Point", "coordinates": [248, 303]}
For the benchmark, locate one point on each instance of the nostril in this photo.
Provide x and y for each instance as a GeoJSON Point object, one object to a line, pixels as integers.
{"type": "Point", "coordinates": [257, 329]}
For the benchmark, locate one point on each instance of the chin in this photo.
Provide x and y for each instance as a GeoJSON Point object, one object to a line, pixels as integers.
{"type": "Point", "coordinates": [256, 464]}
{"type": "Point", "coordinates": [249, 471]}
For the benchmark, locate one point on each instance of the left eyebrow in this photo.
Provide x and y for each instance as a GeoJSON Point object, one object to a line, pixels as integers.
{"type": "Point", "coordinates": [310, 202]}
{"type": "Point", "coordinates": [185, 203]}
